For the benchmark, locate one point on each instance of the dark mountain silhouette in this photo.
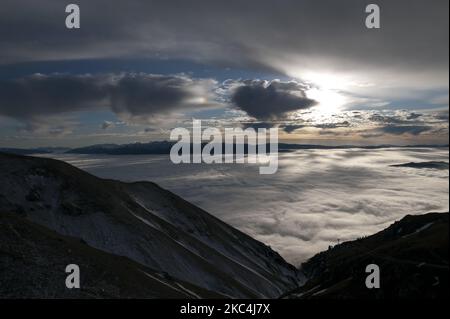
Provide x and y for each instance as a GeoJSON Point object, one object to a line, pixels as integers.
{"type": "Point", "coordinates": [34, 258]}
{"type": "Point", "coordinates": [412, 255]}
{"type": "Point", "coordinates": [154, 228]}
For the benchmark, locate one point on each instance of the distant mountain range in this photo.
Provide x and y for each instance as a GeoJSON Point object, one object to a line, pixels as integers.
{"type": "Point", "coordinates": [429, 164]}
{"type": "Point", "coordinates": [37, 150]}
{"type": "Point", "coordinates": [163, 147]}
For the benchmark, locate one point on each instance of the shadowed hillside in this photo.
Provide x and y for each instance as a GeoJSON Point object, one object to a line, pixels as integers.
{"type": "Point", "coordinates": [33, 261]}
{"type": "Point", "coordinates": [412, 255]}
{"type": "Point", "coordinates": [140, 221]}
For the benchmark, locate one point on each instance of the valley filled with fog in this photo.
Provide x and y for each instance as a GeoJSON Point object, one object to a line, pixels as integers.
{"type": "Point", "coordinates": [316, 199]}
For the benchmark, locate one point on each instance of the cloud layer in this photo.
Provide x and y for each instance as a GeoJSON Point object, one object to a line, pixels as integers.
{"type": "Point", "coordinates": [308, 40]}
{"type": "Point", "coordinates": [139, 96]}
{"type": "Point", "coordinates": [413, 34]}
{"type": "Point", "coordinates": [316, 198]}
{"type": "Point", "coordinates": [323, 45]}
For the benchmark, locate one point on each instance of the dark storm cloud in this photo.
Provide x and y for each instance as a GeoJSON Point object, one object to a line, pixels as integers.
{"type": "Point", "coordinates": [414, 130]}
{"type": "Point", "coordinates": [253, 33]}
{"type": "Point", "coordinates": [410, 129]}
{"type": "Point", "coordinates": [35, 97]}
{"type": "Point", "coordinates": [399, 118]}
{"type": "Point", "coordinates": [151, 94]}
{"type": "Point", "coordinates": [325, 127]}
{"type": "Point", "coordinates": [332, 125]}
{"type": "Point", "coordinates": [332, 132]}
{"type": "Point", "coordinates": [40, 95]}
{"type": "Point", "coordinates": [391, 129]}
{"type": "Point", "coordinates": [389, 119]}
{"type": "Point", "coordinates": [291, 128]}
{"type": "Point", "coordinates": [265, 100]}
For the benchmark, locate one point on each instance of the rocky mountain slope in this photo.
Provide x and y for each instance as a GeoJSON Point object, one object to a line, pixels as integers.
{"type": "Point", "coordinates": [412, 255]}
{"type": "Point", "coordinates": [154, 229]}
{"type": "Point", "coordinates": [33, 260]}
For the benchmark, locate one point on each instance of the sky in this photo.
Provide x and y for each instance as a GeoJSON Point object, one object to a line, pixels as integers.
{"type": "Point", "coordinates": [136, 69]}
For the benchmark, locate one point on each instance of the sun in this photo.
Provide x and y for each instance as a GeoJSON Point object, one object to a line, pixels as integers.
{"type": "Point", "coordinates": [329, 101]}
{"type": "Point", "coordinates": [326, 89]}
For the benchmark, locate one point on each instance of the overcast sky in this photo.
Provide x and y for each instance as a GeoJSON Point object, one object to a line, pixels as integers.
{"type": "Point", "coordinates": [136, 69]}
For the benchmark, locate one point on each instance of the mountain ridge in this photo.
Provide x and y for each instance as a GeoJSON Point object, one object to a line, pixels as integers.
{"type": "Point", "coordinates": [412, 255]}
{"type": "Point", "coordinates": [36, 258]}
{"type": "Point", "coordinates": [164, 147]}
{"type": "Point", "coordinates": [145, 223]}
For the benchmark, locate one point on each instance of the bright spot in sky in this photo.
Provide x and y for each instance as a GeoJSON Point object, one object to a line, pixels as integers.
{"type": "Point", "coordinates": [329, 101]}
{"type": "Point", "coordinates": [327, 80]}
{"type": "Point", "coordinates": [326, 88]}
{"type": "Point", "coordinates": [198, 100]}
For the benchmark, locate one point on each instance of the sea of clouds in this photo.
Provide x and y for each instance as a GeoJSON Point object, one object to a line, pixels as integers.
{"type": "Point", "coordinates": [316, 199]}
